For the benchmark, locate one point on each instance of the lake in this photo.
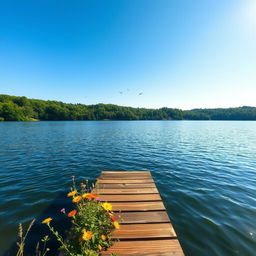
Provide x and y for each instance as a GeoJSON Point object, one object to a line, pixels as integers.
{"type": "Point", "coordinates": [204, 170]}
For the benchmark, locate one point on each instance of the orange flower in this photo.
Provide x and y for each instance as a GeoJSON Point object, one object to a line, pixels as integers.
{"type": "Point", "coordinates": [46, 221]}
{"type": "Point", "coordinates": [99, 247]}
{"type": "Point", "coordinates": [94, 196]}
{"type": "Point", "coordinates": [85, 195]}
{"type": "Point", "coordinates": [89, 196]}
{"type": "Point", "coordinates": [116, 224]}
{"type": "Point", "coordinates": [103, 237]}
{"type": "Point", "coordinates": [72, 213]}
{"type": "Point", "coordinates": [77, 199]}
{"type": "Point", "coordinates": [72, 193]}
{"type": "Point", "coordinates": [87, 235]}
{"type": "Point", "coordinates": [113, 218]}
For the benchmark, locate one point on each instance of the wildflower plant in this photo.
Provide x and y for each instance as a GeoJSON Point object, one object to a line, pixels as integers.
{"type": "Point", "coordinates": [93, 223]}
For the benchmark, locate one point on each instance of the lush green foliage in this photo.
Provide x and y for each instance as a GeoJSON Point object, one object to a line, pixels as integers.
{"type": "Point", "coordinates": [242, 113]}
{"type": "Point", "coordinates": [14, 108]}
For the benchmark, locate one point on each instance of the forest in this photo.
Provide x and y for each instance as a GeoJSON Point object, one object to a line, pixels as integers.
{"type": "Point", "coordinates": [14, 108]}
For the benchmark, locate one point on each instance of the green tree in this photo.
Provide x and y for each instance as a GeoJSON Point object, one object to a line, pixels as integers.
{"type": "Point", "coordinates": [12, 112]}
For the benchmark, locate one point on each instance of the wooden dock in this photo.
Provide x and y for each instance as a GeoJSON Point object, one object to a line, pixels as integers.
{"type": "Point", "coordinates": [145, 228]}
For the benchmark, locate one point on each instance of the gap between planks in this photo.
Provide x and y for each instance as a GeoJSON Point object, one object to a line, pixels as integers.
{"type": "Point", "coordinates": [104, 191]}
{"type": "Point", "coordinates": [125, 185]}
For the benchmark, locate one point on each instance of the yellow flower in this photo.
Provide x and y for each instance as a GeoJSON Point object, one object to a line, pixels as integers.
{"type": "Point", "coordinates": [72, 193]}
{"type": "Point", "coordinates": [77, 199]}
{"type": "Point", "coordinates": [103, 237]}
{"type": "Point", "coordinates": [100, 247]}
{"type": "Point", "coordinates": [87, 235]}
{"type": "Point", "coordinates": [46, 221]}
{"type": "Point", "coordinates": [116, 224]}
{"type": "Point", "coordinates": [107, 206]}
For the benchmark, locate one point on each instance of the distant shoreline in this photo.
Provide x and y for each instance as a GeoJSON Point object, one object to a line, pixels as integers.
{"type": "Point", "coordinates": [14, 108]}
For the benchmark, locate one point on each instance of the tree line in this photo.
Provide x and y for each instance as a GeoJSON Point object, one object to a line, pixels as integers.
{"type": "Point", "coordinates": [14, 108]}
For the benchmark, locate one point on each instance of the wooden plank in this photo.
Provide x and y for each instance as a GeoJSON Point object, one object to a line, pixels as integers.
{"type": "Point", "coordinates": [150, 247]}
{"type": "Point", "coordinates": [142, 231]}
{"type": "Point", "coordinates": [142, 254]}
{"type": "Point", "coordinates": [138, 206]}
{"type": "Point", "coordinates": [130, 198]}
{"type": "Point", "coordinates": [125, 176]}
{"type": "Point", "coordinates": [142, 217]}
{"type": "Point", "coordinates": [138, 172]}
{"type": "Point", "coordinates": [125, 185]}
{"type": "Point", "coordinates": [127, 173]}
{"type": "Point", "coordinates": [121, 177]}
{"type": "Point", "coordinates": [122, 191]}
{"type": "Point", "coordinates": [124, 181]}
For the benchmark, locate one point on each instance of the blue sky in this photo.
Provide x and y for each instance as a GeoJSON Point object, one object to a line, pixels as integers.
{"type": "Point", "coordinates": [141, 53]}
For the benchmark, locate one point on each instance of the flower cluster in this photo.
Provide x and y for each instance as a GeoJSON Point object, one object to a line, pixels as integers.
{"type": "Point", "coordinates": [93, 223]}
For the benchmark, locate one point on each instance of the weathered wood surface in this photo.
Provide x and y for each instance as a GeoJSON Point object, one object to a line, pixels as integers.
{"type": "Point", "coordinates": [138, 206]}
{"type": "Point", "coordinates": [133, 231]}
{"type": "Point", "coordinates": [104, 191]}
{"type": "Point", "coordinates": [143, 217]}
{"type": "Point", "coordinates": [125, 181]}
{"type": "Point", "coordinates": [145, 228]}
{"type": "Point", "coordinates": [129, 198]}
{"type": "Point", "coordinates": [126, 185]}
{"type": "Point", "coordinates": [148, 247]}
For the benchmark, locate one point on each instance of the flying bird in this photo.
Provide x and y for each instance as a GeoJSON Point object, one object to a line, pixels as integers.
{"type": "Point", "coordinates": [140, 93]}
{"type": "Point", "coordinates": [121, 92]}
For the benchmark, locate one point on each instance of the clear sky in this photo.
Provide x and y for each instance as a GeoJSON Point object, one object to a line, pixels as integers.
{"type": "Point", "coordinates": [141, 53]}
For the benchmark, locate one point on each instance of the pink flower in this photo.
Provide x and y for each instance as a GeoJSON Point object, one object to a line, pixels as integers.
{"type": "Point", "coordinates": [63, 210]}
{"type": "Point", "coordinates": [72, 177]}
{"type": "Point", "coordinates": [98, 199]}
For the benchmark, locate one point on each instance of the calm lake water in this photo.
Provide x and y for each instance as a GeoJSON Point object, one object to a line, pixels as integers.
{"type": "Point", "coordinates": [204, 170]}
